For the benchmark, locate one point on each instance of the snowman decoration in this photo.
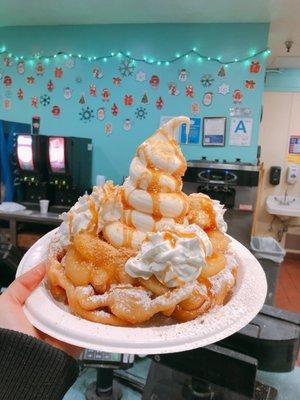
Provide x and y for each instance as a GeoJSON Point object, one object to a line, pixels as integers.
{"type": "Point", "coordinates": [21, 67]}
{"type": "Point", "coordinates": [183, 75]}
{"type": "Point", "coordinates": [127, 125]}
{"type": "Point", "coordinates": [67, 93]}
{"type": "Point", "coordinates": [101, 113]}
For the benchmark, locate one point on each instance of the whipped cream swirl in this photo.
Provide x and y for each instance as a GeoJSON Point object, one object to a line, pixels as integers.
{"type": "Point", "coordinates": [219, 215]}
{"type": "Point", "coordinates": [174, 256]}
{"type": "Point", "coordinates": [82, 216]}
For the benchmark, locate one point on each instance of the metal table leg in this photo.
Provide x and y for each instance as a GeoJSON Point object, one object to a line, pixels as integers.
{"type": "Point", "coordinates": [13, 231]}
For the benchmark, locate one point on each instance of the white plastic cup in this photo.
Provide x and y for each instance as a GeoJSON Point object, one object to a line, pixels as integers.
{"type": "Point", "coordinates": [44, 205]}
{"type": "Point", "coordinates": [100, 180]}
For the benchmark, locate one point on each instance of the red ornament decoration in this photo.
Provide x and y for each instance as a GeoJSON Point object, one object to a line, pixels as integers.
{"type": "Point", "coordinates": [114, 110]}
{"type": "Point", "coordinates": [50, 85]}
{"type": "Point", "coordinates": [159, 103]}
{"type": "Point", "coordinates": [58, 72]}
{"type": "Point", "coordinates": [93, 90]}
{"type": "Point", "coordinates": [249, 84]}
{"type": "Point", "coordinates": [189, 91]}
{"type": "Point", "coordinates": [7, 81]}
{"type": "Point", "coordinates": [254, 67]}
{"type": "Point", "coordinates": [105, 94]}
{"type": "Point", "coordinates": [117, 81]}
{"type": "Point", "coordinates": [128, 100]}
{"type": "Point", "coordinates": [34, 101]}
{"type": "Point", "coordinates": [237, 96]}
{"type": "Point", "coordinates": [39, 69]}
{"type": "Point", "coordinates": [154, 81]}
{"type": "Point", "coordinates": [55, 111]}
{"type": "Point", "coordinates": [30, 80]}
{"type": "Point", "coordinates": [20, 94]}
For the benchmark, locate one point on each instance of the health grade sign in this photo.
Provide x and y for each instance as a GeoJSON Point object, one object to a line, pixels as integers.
{"type": "Point", "coordinates": [240, 131]}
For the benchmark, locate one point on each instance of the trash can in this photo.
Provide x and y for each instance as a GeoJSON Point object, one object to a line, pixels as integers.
{"type": "Point", "coordinates": [270, 255]}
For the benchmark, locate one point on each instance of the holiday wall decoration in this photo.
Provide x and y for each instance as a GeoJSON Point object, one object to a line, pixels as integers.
{"type": "Point", "coordinates": [45, 100]}
{"type": "Point", "coordinates": [254, 67]}
{"type": "Point", "coordinates": [86, 114]}
{"type": "Point", "coordinates": [125, 91]}
{"type": "Point", "coordinates": [223, 89]}
{"type": "Point", "coordinates": [154, 81]}
{"type": "Point", "coordinates": [50, 86]}
{"type": "Point", "coordinates": [141, 113]}
{"type": "Point", "coordinates": [55, 111]}
{"type": "Point", "coordinates": [126, 67]}
{"type": "Point", "coordinates": [249, 84]}
{"type": "Point", "coordinates": [20, 94]}
{"type": "Point", "coordinates": [140, 76]}
{"type": "Point", "coordinates": [128, 100]}
{"type": "Point", "coordinates": [101, 113]}
{"type": "Point", "coordinates": [7, 81]}
{"type": "Point", "coordinates": [21, 67]}
{"type": "Point", "coordinates": [30, 80]}
{"type": "Point", "coordinates": [117, 80]}
{"type": "Point", "coordinates": [39, 69]}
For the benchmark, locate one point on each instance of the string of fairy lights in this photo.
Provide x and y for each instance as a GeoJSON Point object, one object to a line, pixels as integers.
{"type": "Point", "coordinates": [193, 54]}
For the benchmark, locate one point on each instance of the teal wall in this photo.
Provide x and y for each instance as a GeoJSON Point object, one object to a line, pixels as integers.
{"type": "Point", "coordinates": [113, 153]}
{"type": "Point", "coordinates": [285, 80]}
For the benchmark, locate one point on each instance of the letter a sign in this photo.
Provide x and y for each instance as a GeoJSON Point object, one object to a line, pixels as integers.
{"type": "Point", "coordinates": [240, 131]}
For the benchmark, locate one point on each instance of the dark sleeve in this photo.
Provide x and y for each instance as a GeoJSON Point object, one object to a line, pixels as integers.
{"type": "Point", "coordinates": [33, 370]}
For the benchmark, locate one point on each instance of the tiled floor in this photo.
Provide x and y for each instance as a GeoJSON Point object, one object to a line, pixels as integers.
{"type": "Point", "coordinates": [288, 287]}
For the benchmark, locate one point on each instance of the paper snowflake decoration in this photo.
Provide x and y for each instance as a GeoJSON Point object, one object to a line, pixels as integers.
{"type": "Point", "coordinates": [45, 100]}
{"type": "Point", "coordinates": [127, 67]}
{"type": "Point", "coordinates": [223, 89]}
{"type": "Point", "coordinates": [141, 113]}
{"type": "Point", "coordinates": [70, 63]}
{"type": "Point", "coordinates": [207, 80]}
{"type": "Point", "coordinates": [86, 114]}
{"type": "Point", "coordinates": [140, 76]}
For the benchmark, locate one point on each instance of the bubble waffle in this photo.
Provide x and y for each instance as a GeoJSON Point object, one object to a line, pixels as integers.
{"type": "Point", "coordinates": [126, 253]}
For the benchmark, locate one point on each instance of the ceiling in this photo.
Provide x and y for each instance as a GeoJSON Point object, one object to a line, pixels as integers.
{"type": "Point", "coordinates": [284, 15]}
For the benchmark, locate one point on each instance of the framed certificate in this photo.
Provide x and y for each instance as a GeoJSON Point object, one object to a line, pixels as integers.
{"type": "Point", "coordinates": [214, 129]}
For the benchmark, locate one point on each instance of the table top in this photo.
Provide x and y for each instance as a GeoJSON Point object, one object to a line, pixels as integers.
{"type": "Point", "coordinates": [32, 216]}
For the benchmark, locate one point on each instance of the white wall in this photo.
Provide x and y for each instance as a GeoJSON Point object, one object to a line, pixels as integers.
{"type": "Point", "coordinates": [281, 117]}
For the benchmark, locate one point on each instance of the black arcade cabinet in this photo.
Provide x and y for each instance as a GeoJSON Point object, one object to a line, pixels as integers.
{"type": "Point", "coordinates": [32, 163]}
{"type": "Point", "coordinates": [69, 165]}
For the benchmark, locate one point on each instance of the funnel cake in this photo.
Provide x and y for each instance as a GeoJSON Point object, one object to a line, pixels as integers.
{"type": "Point", "coordinates": [124, 254]}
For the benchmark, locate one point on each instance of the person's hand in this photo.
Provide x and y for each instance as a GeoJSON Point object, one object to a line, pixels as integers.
{"type": "Point", "coordinates": [11, 309]}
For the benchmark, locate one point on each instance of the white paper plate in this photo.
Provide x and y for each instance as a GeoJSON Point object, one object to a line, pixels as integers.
{"type": "Point", "coordinates": [52, 318]}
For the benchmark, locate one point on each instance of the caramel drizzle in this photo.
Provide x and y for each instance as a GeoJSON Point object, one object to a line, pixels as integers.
{"type": "Point", "coordinates": [168, 235]}
{"type": "Point", "coordinates": [207, 283]}
{"type": "Point", "coordinates": [127, 236]}
{"type": "Point", "coordinates": [93, 210]}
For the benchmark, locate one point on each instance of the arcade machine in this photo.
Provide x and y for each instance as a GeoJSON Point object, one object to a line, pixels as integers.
{"type": "Point", "coordinates": [69, 164]}
{"type": "Point", "coordinates": [32, 162]}
{"type": "Point", "coordinates": [8, 162]}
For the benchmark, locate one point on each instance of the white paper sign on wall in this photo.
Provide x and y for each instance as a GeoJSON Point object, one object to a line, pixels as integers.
{"type": "Point", "coordinates": [240, 131]}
